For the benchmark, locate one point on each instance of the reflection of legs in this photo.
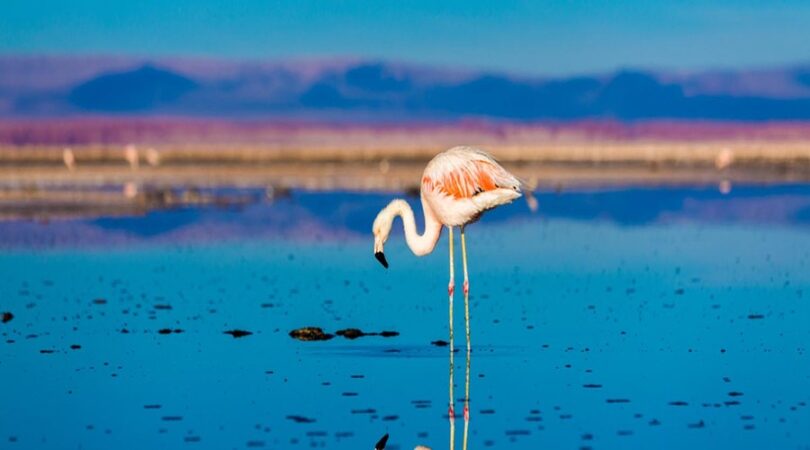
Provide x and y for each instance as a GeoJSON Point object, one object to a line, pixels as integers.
{"type": "Point", "coordinates": [466, 401]}
{"type": "Point", "coordinates": [467, 321]}
{"type": "Point", "coordinates": [450, 288]}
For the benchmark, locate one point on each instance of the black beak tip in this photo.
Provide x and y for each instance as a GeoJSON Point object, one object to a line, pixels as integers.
{"type": "Point", "coordinates": [381, 258]}
{"type": "Point", "coordinates": [383, 440]}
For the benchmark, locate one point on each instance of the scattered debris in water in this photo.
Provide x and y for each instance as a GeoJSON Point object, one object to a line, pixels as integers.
{"type": "Point", "coordinates": [354, 333]}
{"type": "Point", "coordinates": [300, 419]}
{"type": "Point", "coordinates": [6, 317]}
{"type": "Point", "coordinates": [699, 424]}
{"type": "Point", "coordinates": [170, 331]}
{"type": "Point", "coordinates": [440, 343]}
{"type": "Point", "coordinates": [238, 333]}
{"type": "Point", "coordinates": [756, 316]}
{"type": "Point", "coordinates": [310, 334]}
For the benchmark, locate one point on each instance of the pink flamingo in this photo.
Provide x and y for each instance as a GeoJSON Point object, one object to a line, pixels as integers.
{"type": "Point", "coordinates": [458, 185]}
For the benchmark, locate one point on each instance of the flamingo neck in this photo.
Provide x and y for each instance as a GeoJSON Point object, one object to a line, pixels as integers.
{"type": "Point", "coordinates": [420, 244]}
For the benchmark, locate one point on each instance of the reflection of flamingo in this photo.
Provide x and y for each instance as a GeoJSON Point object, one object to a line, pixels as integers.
{"type": "Point", "coordinates": [458, 185]}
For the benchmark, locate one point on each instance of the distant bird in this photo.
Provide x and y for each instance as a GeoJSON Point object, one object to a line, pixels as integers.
{"type": "Point", "coordinates": [131, 155]}
{"type": "Point", "coordinates": [152, 156]}
{"type": "Point", "coordinates": [69, 158]}
{"type": "Point", "coordinates": [458, 185]}
{"type": "Point", "coordinates": [724, 158]}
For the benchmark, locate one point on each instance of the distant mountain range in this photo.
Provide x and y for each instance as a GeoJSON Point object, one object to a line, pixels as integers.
{"type": "Point", "coordinates": [361, 90]}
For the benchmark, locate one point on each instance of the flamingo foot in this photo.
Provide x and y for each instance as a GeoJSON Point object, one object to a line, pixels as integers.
{"type": "Point", "coordinates": [451, 288]}
{"type": "Point", "coordinates": [466, 413]}
{"type": "Point", "coordinates": [452, 413]}
{"type": "Point", "coordinates": [466, 287]}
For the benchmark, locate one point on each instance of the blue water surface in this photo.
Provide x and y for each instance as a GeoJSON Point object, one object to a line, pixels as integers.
{"type": "Point", "coordinates": [672, 317]}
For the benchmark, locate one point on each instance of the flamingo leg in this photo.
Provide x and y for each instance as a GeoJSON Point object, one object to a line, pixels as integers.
{"type": "Point", "coordinates": [466, 287]}
{"type": "Point", "coordinates": [450, 290]}
{"type": "Point", "coordinates": [469, 347]}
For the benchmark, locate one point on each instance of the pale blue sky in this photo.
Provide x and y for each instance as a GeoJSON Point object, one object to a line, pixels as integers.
{"type": "Point", "coordinates": [532, 37]}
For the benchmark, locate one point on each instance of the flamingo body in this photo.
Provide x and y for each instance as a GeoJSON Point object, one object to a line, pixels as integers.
{"type": "Point", "coordinates": [459, 184]}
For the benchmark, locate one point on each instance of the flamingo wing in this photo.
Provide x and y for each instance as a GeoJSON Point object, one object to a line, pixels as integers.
{"type": "Point", "coordinates": [466, 173]}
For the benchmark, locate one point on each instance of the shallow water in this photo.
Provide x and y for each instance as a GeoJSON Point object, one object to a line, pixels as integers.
{"type": "Point", "coordinates": [613, 318]}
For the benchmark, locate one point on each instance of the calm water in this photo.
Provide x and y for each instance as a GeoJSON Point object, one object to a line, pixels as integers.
{"type": "Point", "coordinates": [615, 318]}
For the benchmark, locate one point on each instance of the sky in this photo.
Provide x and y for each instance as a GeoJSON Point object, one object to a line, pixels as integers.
{"type": "Point", "coordinates": [518, 36]}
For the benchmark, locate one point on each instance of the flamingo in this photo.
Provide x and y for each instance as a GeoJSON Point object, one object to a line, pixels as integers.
{"type": "Point", "coordinates": [458, 186]}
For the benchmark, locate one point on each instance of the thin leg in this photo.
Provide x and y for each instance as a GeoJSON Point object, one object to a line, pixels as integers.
{"type": "Point", "coordinates": [466, 287]}
{"type": "Point", "coordinates": [450, 289]}
{"type": "Point", "coordinates": [469, 347]}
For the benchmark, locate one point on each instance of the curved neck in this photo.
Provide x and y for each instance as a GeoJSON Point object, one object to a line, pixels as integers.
{"type": "Point", "coordinates": [420, 244]}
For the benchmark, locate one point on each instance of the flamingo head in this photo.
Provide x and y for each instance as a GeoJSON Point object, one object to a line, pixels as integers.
{"type": "Point", "coordinates": [381, 230]}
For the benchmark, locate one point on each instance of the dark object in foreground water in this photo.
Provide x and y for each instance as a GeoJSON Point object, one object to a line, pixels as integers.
{"type": "Point", "coordinates": [381, 443]}
{"type": "Point", "coordinates": [354, 333]}
{"type": "Point", "coordinates": [440, 343]}
{"type": "Point", "coordinates": [170, 331]}
{"type": "Point", "coordinates": [6, 317]}
{"type": "Point", "coordinates": [351, 333]}
{"type": "Point", "coordinates": [310, 334]}
{"type": "Point", "coordinates": [300, 419]}
{"type": "Point", "coordinates": [238, 333]}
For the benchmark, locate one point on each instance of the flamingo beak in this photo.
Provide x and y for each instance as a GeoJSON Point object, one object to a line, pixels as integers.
{"type": "Point", "coordinates": [378, 251]}
{"type": "Point", "coordinates": [381, 258]}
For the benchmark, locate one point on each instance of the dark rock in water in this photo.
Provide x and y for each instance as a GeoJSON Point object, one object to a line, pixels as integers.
{"type": "Point", "coordinates": [170, 331]}
{"type": "Point", "coordinates": [310, 334]}
{"type": "Point", "coordinates": [735, 394]}
{"type": "Point", "coordinates": [6, 317]}
{"type": "Point", "coordinates": [46, 351]}
{"type": "Point", "coordinates": [151, 406]}
{"type": "Point", "coordinates": [380, 445]}
{"type": "Point", "coordinates": [75, 347]}
{"type": "Point", "coordinates": [592, 386]}
{"type": "Point", "coordinates": [354, 333]}
{"type": "Point", "coordinates": [618, 400]}
{"type": "Point", "coordinates": [678, 403]}
{"type": "Point", "coordinates": [440, 343]}
{"type": "Point", "coordinates": [756, 316]}
{"type": "Point", "coordinates": [100, 301]}
{"type": "Point", "coordinates": [238, 333]}
{"type": "Point", "coordinates": [301, 419]}
{"type": "Point", "coordinates": [700, 424]}
{"type": "Point", "coordinates": [351, 333]}
{"type": "Point", "coordinates": [172, 418]}
{"type": "Point", "coordinates": [163, 307]}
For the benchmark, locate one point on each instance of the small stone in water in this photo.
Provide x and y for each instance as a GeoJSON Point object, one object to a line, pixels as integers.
{"type": "Point", "coordinates": [310, 334]}
{"type": "Point", "coordinates": [238, 333]}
